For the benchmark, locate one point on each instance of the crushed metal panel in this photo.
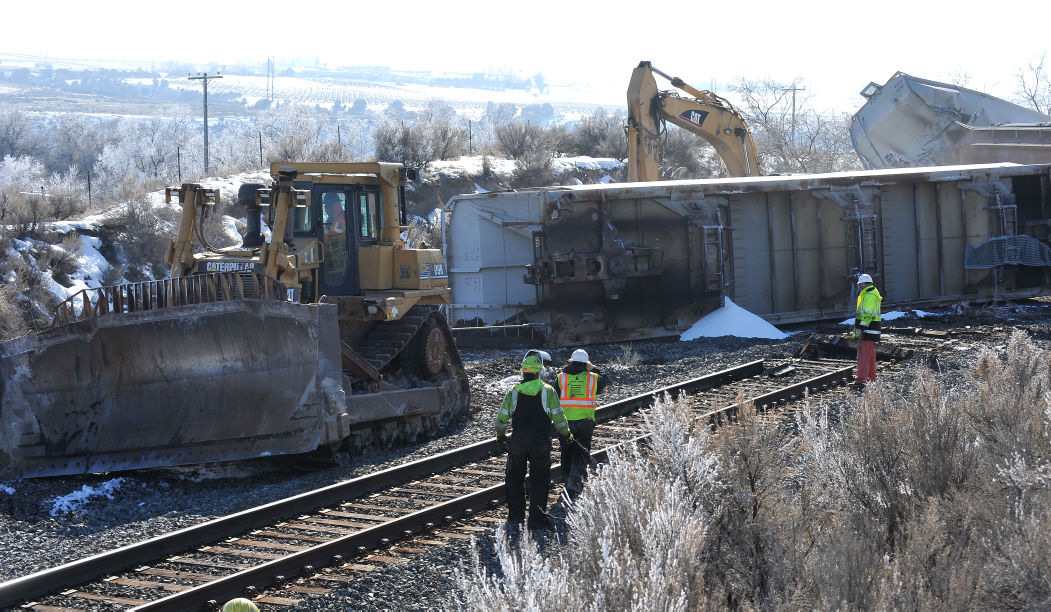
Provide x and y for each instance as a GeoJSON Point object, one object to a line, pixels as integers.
{"type": "Point", "coordinates": [917, 122]}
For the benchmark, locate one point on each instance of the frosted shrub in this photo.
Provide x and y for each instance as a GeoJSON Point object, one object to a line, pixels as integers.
{"type": "Point", "coordinates": [636, 535]}
{"type": "Point", "coordinates": [1012, 415]}
{"type": "Point", "coordinates": [744, 549]}
{"type": "Point", "coordinates": [628, 358]}
{"type": "Point", "coordinates": [922, 496]}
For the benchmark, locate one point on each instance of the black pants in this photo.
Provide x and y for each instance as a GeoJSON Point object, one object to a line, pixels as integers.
{"type": "Point", "coordinates": [533, 450]}
{"type": "Point", "coordinates": [575, 459]}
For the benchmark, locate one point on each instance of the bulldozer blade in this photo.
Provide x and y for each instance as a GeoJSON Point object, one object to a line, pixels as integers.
{"type": "Point", "coordinates": [190, 384]}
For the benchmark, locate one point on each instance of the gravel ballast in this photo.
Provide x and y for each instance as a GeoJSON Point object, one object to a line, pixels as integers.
{"type": "Point", "coordinates": [146, 503]}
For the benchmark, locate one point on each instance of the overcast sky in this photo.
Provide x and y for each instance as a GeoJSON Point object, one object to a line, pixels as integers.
{"type": "Point", "coordinates": [835, 48]}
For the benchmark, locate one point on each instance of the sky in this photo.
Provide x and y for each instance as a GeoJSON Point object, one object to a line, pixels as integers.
{"type": "Point", "coordinates": [833, 48]}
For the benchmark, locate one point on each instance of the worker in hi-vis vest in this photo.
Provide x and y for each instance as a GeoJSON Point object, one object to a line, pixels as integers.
{"type": "Point", "coordinates": [866, 329]}
{"type": "Point", "coordinates": [578, 387]}
{"type": "Point", "coordinates": [530, 408]}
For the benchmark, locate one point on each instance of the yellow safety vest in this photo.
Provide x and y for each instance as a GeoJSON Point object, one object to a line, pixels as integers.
{"type": "Point", "coordinates": [578, 394]}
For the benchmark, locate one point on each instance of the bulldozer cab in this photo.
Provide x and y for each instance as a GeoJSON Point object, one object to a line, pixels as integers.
{"type": "Point", "coordinates": [342, 218]}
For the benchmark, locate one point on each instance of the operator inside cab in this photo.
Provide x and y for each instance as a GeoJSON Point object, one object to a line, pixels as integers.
{"type": "Point", "coordinates": [334, 226]}
{"type": "Point", "coordinates": [335, 219]}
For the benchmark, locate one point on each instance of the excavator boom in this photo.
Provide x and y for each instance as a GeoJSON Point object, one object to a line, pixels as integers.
{"type": "Point", "coordinates": [704, 113]}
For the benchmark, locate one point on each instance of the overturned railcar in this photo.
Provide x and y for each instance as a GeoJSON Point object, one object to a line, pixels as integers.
{"type": "Point", "coordinates": [602, 263]}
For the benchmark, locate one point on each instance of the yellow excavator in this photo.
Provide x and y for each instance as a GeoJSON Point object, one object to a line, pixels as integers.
{"type": "Point", "coordinates": [322, 332]}
{"type": "Point", "coordinates": [709, 116]}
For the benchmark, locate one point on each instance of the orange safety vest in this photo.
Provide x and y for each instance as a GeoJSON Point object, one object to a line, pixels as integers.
{"type": "Point", "coordinates": [578, 394]}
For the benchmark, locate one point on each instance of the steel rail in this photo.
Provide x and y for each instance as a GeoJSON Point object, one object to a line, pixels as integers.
{"type": "Point", "coordinates": [262, 576]}
{"type": "Point", "coordinates": [83, 570]}
{"type": "Point", "coordinates": [728, 413]}
{"type": "Point", "coordinates": [294, 564]}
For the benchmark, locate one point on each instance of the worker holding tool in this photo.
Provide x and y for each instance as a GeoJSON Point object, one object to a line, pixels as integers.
{"type": "Point", "coordinates": [866, 329]}
{"type": "Point", "coordinates": [578, 387]}
{"type": "Point", "coordinates": [530, 407]}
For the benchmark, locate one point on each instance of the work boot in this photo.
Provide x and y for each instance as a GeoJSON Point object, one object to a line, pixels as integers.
{"type": "Point", "coordinates": [540, 523]}
{"type": "Point", "coordinates": [514, 531]}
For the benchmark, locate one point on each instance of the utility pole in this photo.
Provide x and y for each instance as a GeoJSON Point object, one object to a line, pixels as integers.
{"type": "Point", "coordinates": [794, 89]}
{"type": "Point", "coordinates": [270, 79]}
{"type": "Point", "coordinates": [203, 77]}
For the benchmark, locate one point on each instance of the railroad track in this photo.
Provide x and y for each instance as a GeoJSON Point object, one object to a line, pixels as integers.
{"type": "Point", "coordinates": [282, 552]}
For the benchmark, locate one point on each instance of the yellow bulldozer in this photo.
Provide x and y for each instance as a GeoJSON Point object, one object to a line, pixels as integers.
{"type": "Point", "coordinates": [322, 332]}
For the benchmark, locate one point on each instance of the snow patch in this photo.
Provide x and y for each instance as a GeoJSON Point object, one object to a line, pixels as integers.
{"type": "Point", "coordinates": [76, 500]}
{"type": "Point", "coordinates": [471, 165]}
{"type": "Point", "coordinates": [732, 320]}
{"type": "Point", "coordinates": [7, 489]}
{"type": "Point", "coordinates": [895, 314]}
{"type": "Point", "coordinates": [590, 163]}
{"type": "Point", "coordinates": [505, 385]}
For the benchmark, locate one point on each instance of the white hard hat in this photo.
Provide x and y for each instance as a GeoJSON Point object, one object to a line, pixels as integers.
{"type": "Point", "coordinates": [545, 357]}
{"type": "Point", "coordinates": [580, 355]}
{"type": "Point", "coordinates": [864, 278]}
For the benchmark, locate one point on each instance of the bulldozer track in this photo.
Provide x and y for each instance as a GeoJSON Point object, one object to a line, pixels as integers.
{"type": "Point", "coordinates": [307, 545]}
{"type": "Point", "coordinates": [389, 339]}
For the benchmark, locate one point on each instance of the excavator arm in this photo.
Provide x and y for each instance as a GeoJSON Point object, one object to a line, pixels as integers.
{"type": "Point", "coordinates": [704, 114]}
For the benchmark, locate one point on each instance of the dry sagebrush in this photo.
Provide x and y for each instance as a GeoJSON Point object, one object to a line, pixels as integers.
{"type": "Point", "coordinates": [936, 494]}
{"type": "Point", "coordinates": [637, 536]}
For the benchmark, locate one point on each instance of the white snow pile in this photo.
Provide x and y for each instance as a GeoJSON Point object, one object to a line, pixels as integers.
{"type": "Point", "coordinates": [76, 500]}
{"type": "Point", "coordinates": [732, 320]}
{"type": "Point", "coordinates": [7, 489]}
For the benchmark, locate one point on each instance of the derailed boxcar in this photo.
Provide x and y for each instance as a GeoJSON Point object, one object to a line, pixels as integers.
{"type": "Point", "coordinates": [599, 263]}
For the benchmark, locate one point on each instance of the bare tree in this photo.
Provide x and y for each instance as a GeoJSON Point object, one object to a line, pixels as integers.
{"type": "Point", "coordinates": [1035, 86]}
{"type": "Point", "coordinates": [791, 135]}
{"type": "Point", "coordinates": [17, 135]}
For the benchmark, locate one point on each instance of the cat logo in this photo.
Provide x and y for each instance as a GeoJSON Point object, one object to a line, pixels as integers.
{"type": "Point", "coordinates": [227, 266]}
{"type": "Point", "coordinates": [695, 116]}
